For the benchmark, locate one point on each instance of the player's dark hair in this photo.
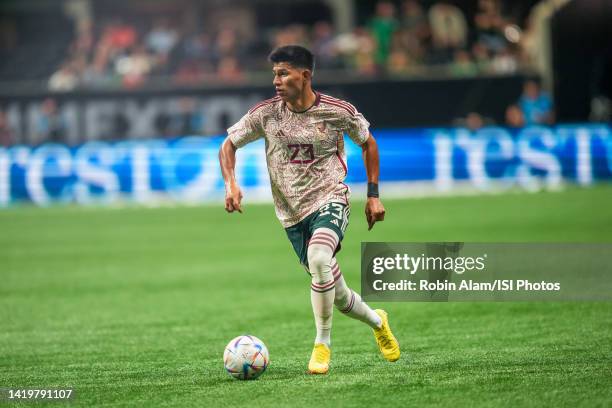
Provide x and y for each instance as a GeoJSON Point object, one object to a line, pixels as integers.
{"type": "Point", "coordinates": [295, 55]}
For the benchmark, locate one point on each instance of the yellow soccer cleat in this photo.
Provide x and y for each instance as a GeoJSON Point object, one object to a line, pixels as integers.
{"type": "Point", "coordinates": [319, 360]}
{"type": "Point", "coordinates": [387, 343]}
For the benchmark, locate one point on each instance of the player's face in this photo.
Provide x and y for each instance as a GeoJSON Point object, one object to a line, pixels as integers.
{"type": "Point", "coordinates": [289, 82]}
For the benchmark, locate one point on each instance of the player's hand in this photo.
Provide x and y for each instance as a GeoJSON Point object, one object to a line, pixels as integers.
{"type": "Point", "coordinates": [233, 197]}
{"type": "Point", "coordinates": [374, 211]}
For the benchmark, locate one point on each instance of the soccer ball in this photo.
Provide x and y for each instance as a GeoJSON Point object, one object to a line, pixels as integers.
{"type": "Point", "coordinates": [246, 357]}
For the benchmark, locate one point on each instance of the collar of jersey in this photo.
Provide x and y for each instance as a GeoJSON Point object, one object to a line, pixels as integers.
{"type": "Point", "coordinates": [316, 103]}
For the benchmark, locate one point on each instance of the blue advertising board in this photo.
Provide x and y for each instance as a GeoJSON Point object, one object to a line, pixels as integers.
{"type": "Point", "coordinates": [187, 170]}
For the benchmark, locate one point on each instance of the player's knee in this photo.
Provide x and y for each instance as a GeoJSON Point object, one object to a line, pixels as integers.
{"type": "Point", "coordinates": [319, 263]}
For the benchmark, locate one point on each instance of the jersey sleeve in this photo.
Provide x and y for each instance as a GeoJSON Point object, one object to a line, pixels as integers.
{"type": "Point", "coordinates": [357, 127]}
{"type": "Point", "coordinates": [246, 130]}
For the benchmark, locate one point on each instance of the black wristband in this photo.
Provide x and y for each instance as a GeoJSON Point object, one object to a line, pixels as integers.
{"type": "Point", "coordinates": [373, 190]}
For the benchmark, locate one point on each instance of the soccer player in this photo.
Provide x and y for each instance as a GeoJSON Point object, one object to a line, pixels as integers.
{"type": "Point", "coordinates": [304, 138]}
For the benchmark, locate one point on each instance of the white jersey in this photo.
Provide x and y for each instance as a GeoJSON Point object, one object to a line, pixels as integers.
{"type": "Point", "coordinates": [304, 151]}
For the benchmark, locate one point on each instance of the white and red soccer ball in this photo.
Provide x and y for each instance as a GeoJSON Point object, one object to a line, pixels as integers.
{"type": "Point", "coordinates": [246, 357]}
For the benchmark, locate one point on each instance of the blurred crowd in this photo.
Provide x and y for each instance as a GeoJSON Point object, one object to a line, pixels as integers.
{"type": "Point", "coordinates": [400, 38]}
{"type": "Point", "coordinates": [534, 107]}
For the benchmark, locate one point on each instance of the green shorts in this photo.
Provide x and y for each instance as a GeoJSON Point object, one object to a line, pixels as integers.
{"type": "Point", "coordinates": [333, 215]}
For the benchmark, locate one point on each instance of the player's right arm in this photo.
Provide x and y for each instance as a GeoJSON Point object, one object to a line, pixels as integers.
{"type": "Point", "coordinates": [227, 160]}
{"type": "Point", "coordinates": [246, 130]}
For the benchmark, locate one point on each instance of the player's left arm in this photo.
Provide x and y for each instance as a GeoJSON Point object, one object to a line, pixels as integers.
{"type": "Point", "coordinates": [374, 210]}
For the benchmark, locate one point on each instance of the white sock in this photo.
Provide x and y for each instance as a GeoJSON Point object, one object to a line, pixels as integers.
{"type": "Point", "coordinates": [322, 307]}
{"type": "Point", "coordinates": [322, 289]}
{"type": "Point", "coordinates": [350, 303]}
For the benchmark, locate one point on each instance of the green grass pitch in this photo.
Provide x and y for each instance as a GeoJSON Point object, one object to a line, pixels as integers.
{"type": "Point", "coordinates": [133, 307]}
